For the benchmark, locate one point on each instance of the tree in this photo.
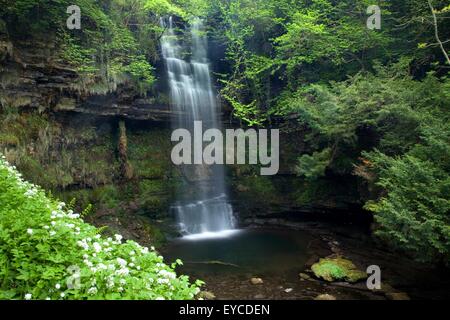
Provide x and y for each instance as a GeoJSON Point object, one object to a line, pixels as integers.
{"type": "Point", "coordinates": [436, 30]}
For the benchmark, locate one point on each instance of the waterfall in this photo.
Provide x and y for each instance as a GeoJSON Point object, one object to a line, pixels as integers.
{"type": "Point", "coordinates": [202, 207]}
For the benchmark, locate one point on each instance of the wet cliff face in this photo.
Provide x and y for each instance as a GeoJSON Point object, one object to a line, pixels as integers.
{"type": "Point", "coordinates": [34, 77]}
{"type": "Point", "coordinates": [76, 156]}
{"type": "Point", "coordinates": [286, 194]}
{"type": "Point", "coordinates": [62, 131]}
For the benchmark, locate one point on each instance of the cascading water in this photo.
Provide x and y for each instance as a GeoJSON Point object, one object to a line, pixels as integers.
{"type": "Point", "coordinates": [202, 207]}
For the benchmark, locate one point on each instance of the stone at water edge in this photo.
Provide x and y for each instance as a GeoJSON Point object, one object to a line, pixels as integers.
{"type": "Point", "coordinates": [392, 293]}
{"type": "Point", "coordinates": [288, 290]}
{"type": "Point", "coordinates": [207, 295]}
{"type": "Point", "coordinates": [313, 259]}
{"type": "Point", "coordinates": [304, 276]}
{"type": "Point", "coordinates": [337, 269]}
{"type": "Point", "coordinates": [256, 281]}
{"type": "Point", "coordinates": [242, 188]}
{"type": "Point", "coordinates": [397, 296]}
{"type": "Point", "coordinates": [325, 296]}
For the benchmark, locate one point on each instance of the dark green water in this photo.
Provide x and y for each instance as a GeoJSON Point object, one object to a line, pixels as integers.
{"type": "Point", "coordinates": [228, 263]}
{"type": "Point", "coordinates": [251, 251]}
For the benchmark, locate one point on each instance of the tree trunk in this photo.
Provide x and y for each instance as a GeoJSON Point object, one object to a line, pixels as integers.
{"type": "Point", "coordinates": [126, 170]}
{"type": "Point", "coordinates": [436, 32]}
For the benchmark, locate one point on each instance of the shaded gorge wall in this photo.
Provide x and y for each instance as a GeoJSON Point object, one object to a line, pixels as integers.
{"type": "Point", "coordinates": [65, 137]}
{"type": "Point", "coordinates": [77, 156]}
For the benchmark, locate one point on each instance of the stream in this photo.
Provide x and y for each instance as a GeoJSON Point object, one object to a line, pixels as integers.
{"type": "Point", "coordinates": [244, 252]}
{"type": "Point", "coordinates": [278, 254]}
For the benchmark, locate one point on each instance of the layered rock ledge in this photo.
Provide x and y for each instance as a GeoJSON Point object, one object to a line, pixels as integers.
{"type": "Point", "coordinates": [33, 76]}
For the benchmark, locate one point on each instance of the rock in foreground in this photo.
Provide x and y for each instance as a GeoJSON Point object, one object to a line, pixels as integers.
{"type": "Point", "coordinates": [325, 296]}
{"type": "Point", "coordinates": [256, 281]}
{"type": "Point", "coordinates": [337, 269]}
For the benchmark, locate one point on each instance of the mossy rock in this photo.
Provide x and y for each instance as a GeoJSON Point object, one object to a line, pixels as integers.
{"type": "Point", "coordinates": [337, 269]}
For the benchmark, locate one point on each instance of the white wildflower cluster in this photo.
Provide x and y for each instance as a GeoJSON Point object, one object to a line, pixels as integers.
{"type": "Point", "coordinates": [29, 189]}
{"type": "Point", "coordinates": [107, 264]}
{"type": "Point", "coordinates": [118, 238]}
{"type": "Point", "coordinates": [167, 274]}
{"type": "Point", "coordinates": [115, 271]}
{"type": "Point", "coordinates": [92, 291]}
{"type": "Point", "coordinates": [30, 193]}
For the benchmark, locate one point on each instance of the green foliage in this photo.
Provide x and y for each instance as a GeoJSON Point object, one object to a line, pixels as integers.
{"type": "Point", "coordinates": [320, 35]}
{"type": "Point", "coordinates": [260, 187]}
{"type": "Point", "coordinates": [271, 42]}
{"type": "Point", "coordinates": [372, 103]}
{"type": "Point", "coordinates": [56, 160]}
{"type": "Point", "coordinates": [163, 7]}
{"type": "Point", "coordinates": [383, 110]}
{"type": "Point", "coordinates": [406, 122]}
{"type": "Point", "coordinates": [276, 45]}
{"type": "Point", "coordinates": [79, 57]}
{"type": "Point", "coordinates": [142, 73]}
{"type": "Point", "coordinates": [245, 27]}
{"type": "Point", "coordinates": [248, 113]}
{"type": "Point", "coordinates": [414, 214]}
{"type": "Point", "coordinates": [48, 252]}
{"type": "Point", "coordinates": [117, 39]}
{"type": "Point", "coordinates": [313, 167]}
{"type": "Point", "coordinates": [33, 16]}
{"type": "Point", "coordinates": [153, 198]}
{"type": "Point", "coordinates": [148, 153]}
{"type": "Point", "coordinates": [86, 211]}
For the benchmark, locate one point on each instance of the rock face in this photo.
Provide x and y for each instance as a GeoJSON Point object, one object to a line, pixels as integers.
{"type": "Point", "coordinates": [337, 269]}
{"type": "Point", "coordinates": [34, 77]}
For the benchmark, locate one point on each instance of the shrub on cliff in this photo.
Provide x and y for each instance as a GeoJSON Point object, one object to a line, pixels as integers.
{"type": "Point", "coordinates": [48, 252]}
{"type": "Point", "coordinates": [391, 131]}
{"type": "Point", "coordinates": [413, 214]}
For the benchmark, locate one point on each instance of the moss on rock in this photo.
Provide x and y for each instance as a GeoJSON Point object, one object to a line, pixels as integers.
{"type": "Point", "coordinates": [337, 269]}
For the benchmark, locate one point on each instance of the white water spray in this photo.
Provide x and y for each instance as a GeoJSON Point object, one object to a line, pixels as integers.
{"type": "Point", "coordinates": [202, 207]}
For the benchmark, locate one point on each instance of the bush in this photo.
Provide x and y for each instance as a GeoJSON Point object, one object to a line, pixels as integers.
{"type": "Point", "coordinates": [392, 131]}
{"type": "Point", "coordinates": [413, 214]}
{"type": "Point", "coordinates": [48, 252]}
